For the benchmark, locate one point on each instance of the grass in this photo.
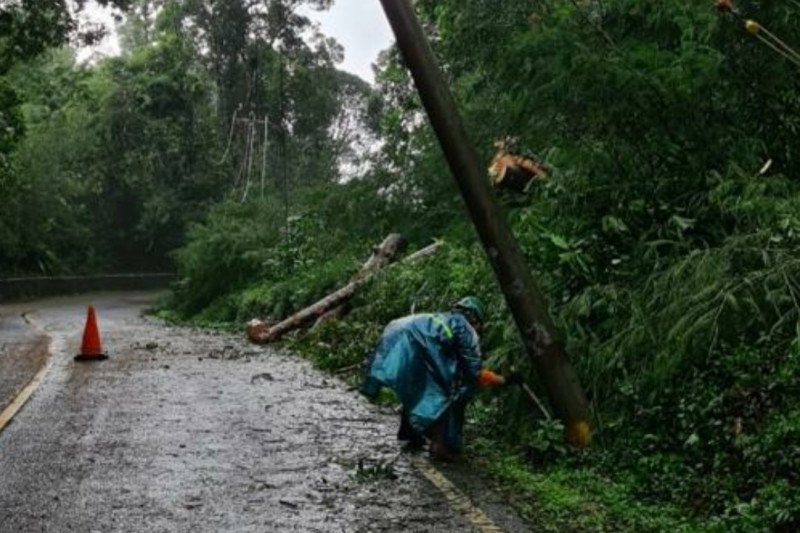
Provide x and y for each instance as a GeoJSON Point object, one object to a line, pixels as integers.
{"type": "Point", "coordinates": [566, 498]}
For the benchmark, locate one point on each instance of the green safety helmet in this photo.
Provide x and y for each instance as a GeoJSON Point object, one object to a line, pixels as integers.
{"type": "Point", "coordinates": [472, 304]}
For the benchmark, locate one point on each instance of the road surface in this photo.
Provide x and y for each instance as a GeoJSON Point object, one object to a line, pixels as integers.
{"type": "Point", "coordinates": [189, 430]}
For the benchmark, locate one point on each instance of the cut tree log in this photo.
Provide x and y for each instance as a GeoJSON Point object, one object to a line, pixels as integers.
{"type": "Point", "coordinates": [262, 333]}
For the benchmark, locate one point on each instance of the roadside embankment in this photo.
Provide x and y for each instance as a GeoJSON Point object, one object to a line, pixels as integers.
{"type": "Point", "coordinates": [17, 289]}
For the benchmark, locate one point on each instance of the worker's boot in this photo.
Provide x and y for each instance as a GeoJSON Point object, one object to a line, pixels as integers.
{"type": "Point", "coordinates": [414, 442]}
{"type": "Point", "coordinates": [440, 452]}
{"type": "Point", "coordinates": [414, 445]}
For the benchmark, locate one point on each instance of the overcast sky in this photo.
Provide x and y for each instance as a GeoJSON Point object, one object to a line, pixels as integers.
{"type": "Point", "coordinates": [359, 25]}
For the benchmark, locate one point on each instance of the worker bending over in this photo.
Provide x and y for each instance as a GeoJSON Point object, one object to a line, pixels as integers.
{"type": "Point", "coordinates": [433, 364]}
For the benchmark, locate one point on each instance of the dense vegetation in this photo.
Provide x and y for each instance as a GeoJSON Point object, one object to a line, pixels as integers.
{"type": "Point", "coordinates": [103, 166]}
{"type": "Point", "coordinates": [669, 260]}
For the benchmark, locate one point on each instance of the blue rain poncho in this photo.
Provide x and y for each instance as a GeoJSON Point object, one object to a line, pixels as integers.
{"type": "Point", "coordinates": [432, 362]}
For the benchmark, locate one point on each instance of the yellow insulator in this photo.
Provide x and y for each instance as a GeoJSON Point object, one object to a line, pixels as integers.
{"type": "Point", "coordinates": [752, 26]}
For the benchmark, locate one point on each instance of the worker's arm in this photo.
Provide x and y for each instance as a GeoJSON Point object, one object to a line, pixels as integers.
{"type": "Point", "coordinates": [467, 349]}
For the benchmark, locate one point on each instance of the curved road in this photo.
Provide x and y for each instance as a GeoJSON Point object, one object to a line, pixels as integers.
{"type": "Point", "coordinates": [187, 430]}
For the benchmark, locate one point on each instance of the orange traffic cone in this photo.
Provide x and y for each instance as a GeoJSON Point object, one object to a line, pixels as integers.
{"type": "Point", "coordinates": [90, 347]}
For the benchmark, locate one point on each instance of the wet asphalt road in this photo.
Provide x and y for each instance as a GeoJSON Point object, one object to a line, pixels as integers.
{"type": "Point", "coordinates": [187, 430]}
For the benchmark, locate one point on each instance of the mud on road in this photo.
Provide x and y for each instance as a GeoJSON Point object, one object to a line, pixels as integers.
{"type": "Point", "coordinates": [188, 430]}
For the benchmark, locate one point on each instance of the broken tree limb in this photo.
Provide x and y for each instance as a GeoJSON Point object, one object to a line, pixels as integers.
{"type": "Point", "coordinates": [423, 252]}
{"type": "Point", "coordinates": [337, 313]}
{"type": "Point", "coordinates": [515, 172]}
{"type": "Point", "coordinates": [261, 333]}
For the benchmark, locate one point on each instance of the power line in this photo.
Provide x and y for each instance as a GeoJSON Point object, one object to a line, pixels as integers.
{"type": "Point", "coordinates": [264, 155]}
{"type": "Point", "coordinates": [282, 130]}
{"type": "Point", "coordinates": [230, 135]}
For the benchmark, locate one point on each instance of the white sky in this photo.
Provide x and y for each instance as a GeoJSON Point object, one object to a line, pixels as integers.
{"type": "Point", "coordinates": [359, 25]}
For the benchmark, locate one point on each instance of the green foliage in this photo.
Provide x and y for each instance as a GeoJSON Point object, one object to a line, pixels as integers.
{"type": "Point", "coordinates": [29, 27]}
{"type": "Point", "coordinates": [113, 163]}
{"type": "Point", "coordinates": [40, 222]}
{"type": "Point", "coordinates": [566, 498]}
{"type": "Point", "coordinates": [104, 166]}
{"type": "Point", "coordinates": [281, 298]}
{"type": "Point", "coordinates": [11, 124]}
{"type": "Point", "coordinates": [158, 152]}
{"type": "Point", "coordinates": [271, 265]}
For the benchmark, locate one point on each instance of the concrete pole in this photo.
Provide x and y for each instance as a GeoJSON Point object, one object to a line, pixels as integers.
{"type": "Point", "coordinates": [521, 293]}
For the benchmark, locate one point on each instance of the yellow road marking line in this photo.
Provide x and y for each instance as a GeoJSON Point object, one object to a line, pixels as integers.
{"type": "Point", "coordinates": [13, 408]}
{"type": "Point", "coordinates": [457, 499]}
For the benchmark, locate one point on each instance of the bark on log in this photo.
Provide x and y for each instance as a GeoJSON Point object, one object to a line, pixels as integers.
{"type": "Point", "coordinates": [260, 333]}
{"type": "Point", "coordinates": [392, 247]}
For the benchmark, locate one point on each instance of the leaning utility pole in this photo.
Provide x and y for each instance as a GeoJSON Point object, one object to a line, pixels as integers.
{"type": "Point", "coordinates": [521, 293]}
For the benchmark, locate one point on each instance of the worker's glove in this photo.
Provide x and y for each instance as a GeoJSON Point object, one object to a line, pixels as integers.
{"type": "Point", "coordinates": [514, 378]}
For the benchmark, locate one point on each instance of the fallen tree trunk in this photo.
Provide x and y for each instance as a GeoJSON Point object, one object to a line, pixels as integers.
{"type": "Point", "coordinates": [262, 333]}
{"type": "Point", "coordinates": [382, 255]}
{"type": "Point", "coordinates": [339, 312]}
{"type": "Point", "coordinates": [259, 334]}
